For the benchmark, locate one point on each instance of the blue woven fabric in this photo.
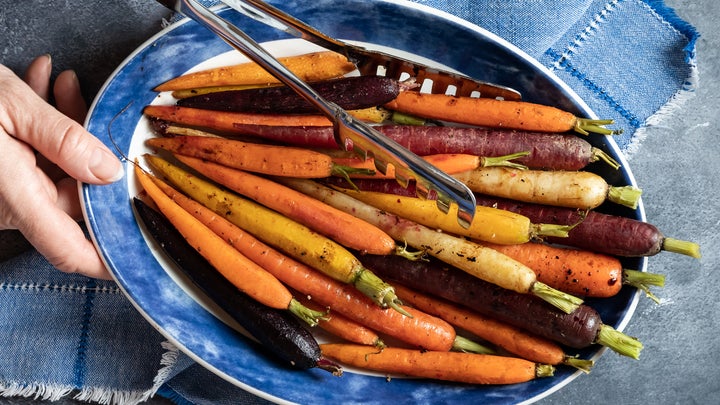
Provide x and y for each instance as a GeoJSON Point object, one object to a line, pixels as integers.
{"type": "Point", "coordinates": [631, 60]}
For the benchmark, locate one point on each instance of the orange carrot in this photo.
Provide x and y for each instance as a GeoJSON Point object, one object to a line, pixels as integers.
{"type": "Point", "coordinates": [419, 329]}
{"type": "Point", "coordinates": [234, 266]}
{"type": "Point", "coordinates": [231, 123]}
{"type": "Point", "coordinates": [449, 366]}
{"type": "Point", "coordinates": [259, 158]}
{"type": "Point", "coordinates": [343, 327]}
{"type": "Point", "coordinates": [225, 121]}
{"type": "Point", "coordinates": [450, 163]}
{"type": "Point", "coordinates": [329, 221]}
{"type": "Point", "coordinates": [489, 112]}
{"type": "Point", "coordinates": [577, 271]}
{"type": "Point", "coordinates": [508, 337]}
{"type": "Point", "coordinates": [309, 67]}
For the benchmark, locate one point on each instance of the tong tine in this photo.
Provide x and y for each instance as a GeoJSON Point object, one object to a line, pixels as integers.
{"type": "Point", "coordinates": [373, 62]}
{"type": "Point", "coordinates": [350, 133]}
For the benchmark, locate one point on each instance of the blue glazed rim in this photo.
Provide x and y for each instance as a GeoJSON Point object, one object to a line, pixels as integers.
{"type": "Point", "coordinates": [168, 306]}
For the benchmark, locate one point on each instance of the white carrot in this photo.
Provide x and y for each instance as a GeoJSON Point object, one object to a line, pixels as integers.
{"type": "Point", "coordinates": [572, 189]}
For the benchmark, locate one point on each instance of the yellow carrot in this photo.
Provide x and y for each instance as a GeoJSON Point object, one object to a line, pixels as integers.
{"type": "Point", "coordinates": [489, 224]}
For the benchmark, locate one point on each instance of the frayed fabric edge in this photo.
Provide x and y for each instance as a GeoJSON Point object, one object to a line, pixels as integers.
{"type": "Point", "coordinates": [45, 392]}
{"type": "Point", "coordinates": [673, 105]}
{"type": "Point", "coordinates": [100, 395]}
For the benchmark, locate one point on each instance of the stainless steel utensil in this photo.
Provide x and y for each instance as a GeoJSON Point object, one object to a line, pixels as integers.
{"type": "Point", "coordinates": [349, 133]}
{"type": "Point", "coordinates": [372, 62]}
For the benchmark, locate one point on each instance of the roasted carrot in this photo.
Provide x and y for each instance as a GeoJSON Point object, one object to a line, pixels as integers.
{"type": "Point", "coordinates": [237, 268]}
{"type": "Point", "coordinates": [448, 366]}
{"type": "Point", "coordinates": [309, 67]}
{"type": "Point", "coordinates": [450, 163]}
{"type": "Point", "coordinates": [508, 337]}
{"type": "Point", "coordinates": [481, 262]}
{"type": "Point", "coordinates": [185, 93]}
{"type": "Point", "coordinates": [350, 93]}
{"type": "Point", "coordinates": [227, 122]}
{"type": "Point", "coordinates": [489, 224]}
{"type": "Point", "coordinates": [578, 329]}
{"type": "Point", "coordinates": [489, 112]}
{"type": "Point", "coordinates": [266, 159]}
{"type": "Point", "coordinates": [340, 326]}
{"type": "Point", "coordinates": [547, 151]}
{"type": "Point", "coordinates": [339, 226]}
{"type": "Point", "coordinates": [275, 229]}
{"type": "Point", "coordinates": [577, 271]}
{"type": "Point", "coordinates": [580, 189]}
{"type": "Point", "coordinates": [593, 230]}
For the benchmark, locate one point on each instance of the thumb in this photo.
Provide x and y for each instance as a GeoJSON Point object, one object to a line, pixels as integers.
{"type": "Point", "coordinates": [60, 139]}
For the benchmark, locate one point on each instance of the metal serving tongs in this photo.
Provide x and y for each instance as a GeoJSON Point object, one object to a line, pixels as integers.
{"type": "Point", "coordinates": [431, 182]}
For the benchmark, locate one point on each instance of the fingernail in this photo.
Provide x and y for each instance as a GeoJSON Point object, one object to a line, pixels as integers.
{"type": "Point", "coordinates": [105, 166]}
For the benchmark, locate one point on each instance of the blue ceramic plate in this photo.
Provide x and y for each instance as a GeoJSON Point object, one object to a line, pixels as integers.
{"type": "Point", "coordinates": [183, 315]}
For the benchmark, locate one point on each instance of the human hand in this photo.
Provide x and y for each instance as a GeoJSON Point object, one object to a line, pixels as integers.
{"type": "Point", "coordinates": [45, 152]}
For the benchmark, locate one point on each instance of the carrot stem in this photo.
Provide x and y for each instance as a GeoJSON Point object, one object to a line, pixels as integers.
{"type": "Point", "coordinates": [566, 302]}
{"type": "Point", "coordinates": [586, 126]}
{"type": "Point", "coordinates": [643, 280]}
{"type": "Point", "coordinates": [504, 161]}
{"type": "Point", "coordinates": [619, 342]}
{"type": "Point", "coordinates": [691, 249]}
{"type": "Point", "coordinates": [379, 291]}
{"type": "Point", "coordinates": [310, 316]}
{"type": "Point", "coordinates": [599, 154]}
{"type": "Point", "coordinates": [555, 230]}
{"type": "Point", "coordinates": [583, 365]}
{"type": "Point", "coordinates": [465, 345]}
{"type": "Point", "coordinates": [628, 196]}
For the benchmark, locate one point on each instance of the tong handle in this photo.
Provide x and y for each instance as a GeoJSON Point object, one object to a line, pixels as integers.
{"type": "Point", "coordinates": [276, 18]}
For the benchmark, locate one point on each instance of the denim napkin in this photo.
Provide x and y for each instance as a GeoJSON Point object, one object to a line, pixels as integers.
{"type": "Point", "coordinates": [630, 60]}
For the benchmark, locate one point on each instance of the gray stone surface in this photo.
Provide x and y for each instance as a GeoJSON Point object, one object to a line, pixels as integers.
{"type": "Point", "coordinates": [677, 167]}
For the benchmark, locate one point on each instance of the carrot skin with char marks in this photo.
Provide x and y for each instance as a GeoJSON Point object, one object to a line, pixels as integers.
{"type": "Point", "coordinates": [598, 232]}
{"type": "Point", "coordinates": [578, 329]}
{"type": "Point", "coordinates": [309, 67]}
{"type": "Point", "coordinates": [350, 93]}
{"type": "Point", "coordinates": [546, 151]}
{"type": "Point", "coordinates": [510, 338]}
{"type": "Point", "coordinates": [449, 366]}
